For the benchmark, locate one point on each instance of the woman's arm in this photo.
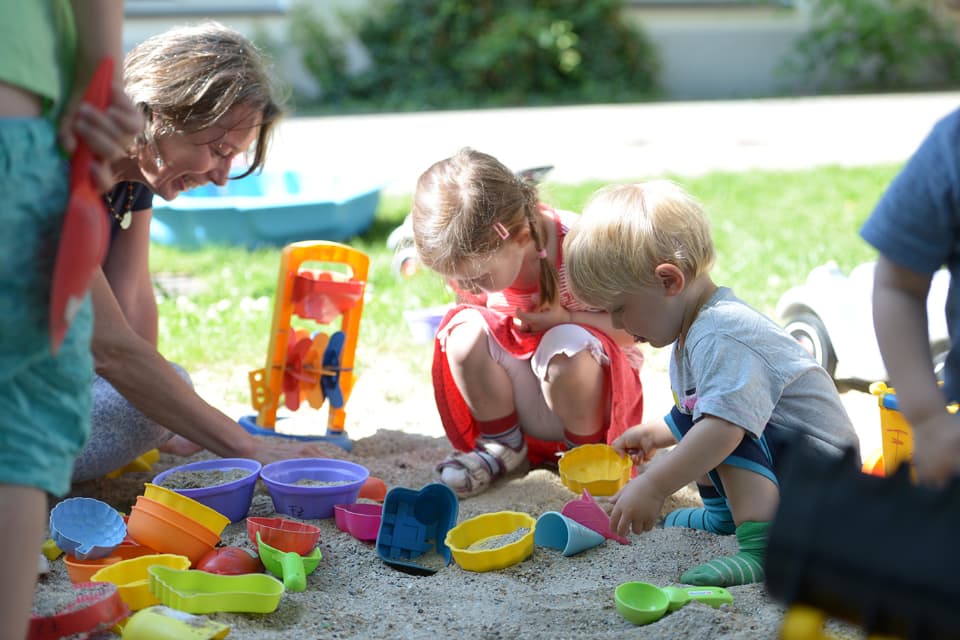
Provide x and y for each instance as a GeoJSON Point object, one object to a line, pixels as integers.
{"type": "Point", "coordinates": [127, 269]}
{"type": "Point", "coordinates": [139, 373]}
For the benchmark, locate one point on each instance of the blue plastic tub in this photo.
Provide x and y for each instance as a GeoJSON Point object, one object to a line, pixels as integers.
{"type": "Point", "coordinates": [269, 209]}
{"type": "Point", "coordinates": [414, 523]}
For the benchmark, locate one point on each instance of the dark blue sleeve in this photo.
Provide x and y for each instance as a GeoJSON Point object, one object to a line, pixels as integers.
{"type": "Point", "coordinates": [915, 224]}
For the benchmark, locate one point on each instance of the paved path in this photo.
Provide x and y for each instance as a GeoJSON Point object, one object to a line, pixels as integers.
{"type": "Point", "coordinates": [620, 142]}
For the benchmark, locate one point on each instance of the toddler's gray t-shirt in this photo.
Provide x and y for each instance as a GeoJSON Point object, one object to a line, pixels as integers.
{"type": "Point", "coordinates": [738, 365]}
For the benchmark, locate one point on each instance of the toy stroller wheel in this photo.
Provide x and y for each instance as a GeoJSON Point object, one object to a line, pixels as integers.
{"type": "Point", "coordinates": [808, 330]}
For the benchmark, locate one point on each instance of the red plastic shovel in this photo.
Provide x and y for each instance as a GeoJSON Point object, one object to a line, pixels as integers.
{"type": "Point", "coordinates": [83, 242]}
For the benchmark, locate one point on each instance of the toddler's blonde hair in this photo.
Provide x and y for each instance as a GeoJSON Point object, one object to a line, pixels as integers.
{"type": "Point", "coordinates": [625, 231]}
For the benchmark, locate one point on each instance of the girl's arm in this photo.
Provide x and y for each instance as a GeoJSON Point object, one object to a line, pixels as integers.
{"type": "Point", "coordinates": [548, 318]}
{"type": "Point", "coordinates": [601, 320]}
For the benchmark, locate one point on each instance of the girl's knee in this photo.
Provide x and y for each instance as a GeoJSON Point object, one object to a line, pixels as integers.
{"type": "Point", "coordinates": [465, 342]}
{"type": "Point", "coordinates": [579, 368]}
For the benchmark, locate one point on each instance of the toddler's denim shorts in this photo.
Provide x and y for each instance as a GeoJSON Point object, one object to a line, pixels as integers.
{"type": "Point", "coordinates": [44, 400]}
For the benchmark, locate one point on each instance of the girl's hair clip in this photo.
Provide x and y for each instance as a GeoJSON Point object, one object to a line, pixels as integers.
{"type": "Point", "coordinates": [542, 254]}
{"type": "Point", "coordinates": [501, 230]}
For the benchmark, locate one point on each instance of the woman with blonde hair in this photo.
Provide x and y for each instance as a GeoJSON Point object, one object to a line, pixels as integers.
{"type": "Point", "coordinates": [208, 99]}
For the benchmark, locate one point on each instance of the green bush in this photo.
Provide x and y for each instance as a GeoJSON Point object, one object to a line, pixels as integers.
{"type": "Point", "coordinates": [442, 54]}
{"type": "Point", "coordinates": [874, 45]}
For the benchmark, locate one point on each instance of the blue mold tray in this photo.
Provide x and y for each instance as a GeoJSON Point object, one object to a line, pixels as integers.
{"type": "Point", "coordinates": [268, 209]}
{"type": "Point", "coordinates": [414, 523]}
{"type": "Point", "coordinates": [341, 439]}
{"type": "Point", "coordinates": [86, 528]}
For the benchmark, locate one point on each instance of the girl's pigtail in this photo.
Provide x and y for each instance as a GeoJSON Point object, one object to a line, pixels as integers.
{"type": "Point", "coordinates": [549, 278]}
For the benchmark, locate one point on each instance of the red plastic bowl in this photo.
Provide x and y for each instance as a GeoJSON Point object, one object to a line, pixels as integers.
{"type": "Point", "coordinates": [285, 535]}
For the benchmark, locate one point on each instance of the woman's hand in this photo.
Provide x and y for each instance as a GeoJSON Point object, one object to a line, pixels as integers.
{"type": "Point", "coordinates": [272, 448]}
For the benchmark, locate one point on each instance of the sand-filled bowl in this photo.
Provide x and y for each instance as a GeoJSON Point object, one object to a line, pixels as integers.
{"type": "Point", "coordinates": [233, 481]}
{"type": "Point", "coordinates": [594, 467]}
{"type": "Point", "coordinates": [492, 540]}
{"type": "Point", "coordinates": [308, 488]}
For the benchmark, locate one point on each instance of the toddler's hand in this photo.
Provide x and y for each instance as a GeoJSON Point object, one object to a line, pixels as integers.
{"type": "Point", "coordinates": [936, 449]}
{"type": "Point", "coordinates": [638, 442]}
{"type": "Point", "coordinates": [637, 506]}
{"type": "Point", "coordinates": [109, 134]}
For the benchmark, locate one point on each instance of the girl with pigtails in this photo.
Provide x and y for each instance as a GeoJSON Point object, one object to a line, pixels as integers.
{"type": "Point", "coordinates": [522, 371]}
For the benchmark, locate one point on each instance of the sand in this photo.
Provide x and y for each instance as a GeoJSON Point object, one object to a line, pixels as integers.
{"type": "Point", "coordinates": [354, 594]}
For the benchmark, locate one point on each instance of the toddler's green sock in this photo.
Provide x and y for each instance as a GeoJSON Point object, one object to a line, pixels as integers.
{"type": "Point", "coordinates": [714, 516]}
{"type": "Point", "coordinates": [744, 567]}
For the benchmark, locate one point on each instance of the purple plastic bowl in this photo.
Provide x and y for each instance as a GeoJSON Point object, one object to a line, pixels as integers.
{"type": "Point", "coordinates": [232, 499]}
{"type": "Point", "coordinates": [312, 502]}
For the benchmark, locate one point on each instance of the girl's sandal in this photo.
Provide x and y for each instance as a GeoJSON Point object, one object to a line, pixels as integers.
{"type": "Point", "coordinates": [470, 473]}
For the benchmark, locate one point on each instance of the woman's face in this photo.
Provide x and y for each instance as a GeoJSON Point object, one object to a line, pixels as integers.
{"type": "Point", "coordinates": [188, 160]}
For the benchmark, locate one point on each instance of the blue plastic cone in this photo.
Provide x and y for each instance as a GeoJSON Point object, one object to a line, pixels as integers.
{"type": "Point", "coordinates": [557, 531]}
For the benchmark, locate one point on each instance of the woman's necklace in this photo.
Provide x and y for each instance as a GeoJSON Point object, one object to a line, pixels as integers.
{"type": "Point", "coordinates": [125, 215]}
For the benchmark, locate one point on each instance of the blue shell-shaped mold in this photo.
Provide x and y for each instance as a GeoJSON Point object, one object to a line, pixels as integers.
{"type": "Point", "coordinates": [86, 528]}
{"type": "Point", "coordinates": [415, 522]}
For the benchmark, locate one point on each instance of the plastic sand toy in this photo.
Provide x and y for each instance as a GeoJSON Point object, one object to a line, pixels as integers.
{"type": "Point", "coordinates": [85, 233]}
{"type": "Point", "coordinates": [596, 468]}
{"type": "Point", "coordinates": [132, 579]}
{"type": "Point", "coordinates": [307, 488]}
{"type": "Point", "coordinates": [163, 623]}
{"type": "Point", "coordinates": [290, 566]}
{"type": "Point", "coordinates": [873, 551]}
{"type": "Point", "coordinates": [643, 603]}
{"type": "Point", "coordinates": [97, 607]}
{"type": "Point", "coordinates": [86, 528]}
{"type": "Point", "coordinates": [492, 541]}
{"type": "Point", "coordinates": [286, 535]}
{"type": "Point", "coordinates": [201, 592]}
{"type": "Point", "coordinates": [361, 519]}
{"type": "Point", "coordinates": [414, 526]}
{"type": "Point", "coordinates": [557, 531]}
{"type": "Point", "coordinates": [587, 512]}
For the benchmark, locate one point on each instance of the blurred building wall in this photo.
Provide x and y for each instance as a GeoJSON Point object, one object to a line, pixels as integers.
{"type": "Point", "coordinates": [708, 48]}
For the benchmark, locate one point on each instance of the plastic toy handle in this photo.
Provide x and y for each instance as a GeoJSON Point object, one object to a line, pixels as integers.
{"type": "Point", "coordinates": [294, 577]}
{"type": "Point", "coordinates": [97, 95]}
{"type": "Point", "coordinates": [85, 232]}
{"type": "Point", "coordinates": [712, 596]}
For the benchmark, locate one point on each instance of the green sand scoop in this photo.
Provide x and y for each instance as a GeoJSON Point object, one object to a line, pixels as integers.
{"type": "Point", "coordinates": [643, 603]}
{"type": "Point", "coordinates": [289, 566]}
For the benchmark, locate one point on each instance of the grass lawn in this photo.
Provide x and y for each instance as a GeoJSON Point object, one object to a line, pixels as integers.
{"type": "Point", "coordinates": [770, 229]}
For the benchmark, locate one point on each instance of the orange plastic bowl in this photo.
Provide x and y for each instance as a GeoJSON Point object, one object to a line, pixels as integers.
{"type": "Point", "coordinates": [178, 518]}
{"type": "Point", "coordinates": [206, 516]}
{"type": "Point", "coordinates": [165, 536]}
{"type": "Point", "coordinates": [82, 570]}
